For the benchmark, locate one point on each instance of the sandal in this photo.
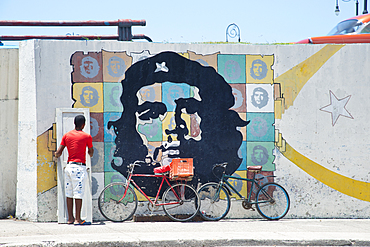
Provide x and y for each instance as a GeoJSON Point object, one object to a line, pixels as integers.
{"type": "Point", "coordinates": [83, 223]}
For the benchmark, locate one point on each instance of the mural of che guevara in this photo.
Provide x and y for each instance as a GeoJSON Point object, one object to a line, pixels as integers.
{"type": "Point", "coordinates": [178, 106]}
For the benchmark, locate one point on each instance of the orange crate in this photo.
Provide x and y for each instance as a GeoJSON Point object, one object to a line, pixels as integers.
{"type": "Point", "coordinates": [181, 168]}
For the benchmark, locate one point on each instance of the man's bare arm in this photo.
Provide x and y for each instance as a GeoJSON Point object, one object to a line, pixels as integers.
{"type": "Point", "coordinates": [59, 152]}
{"type": "Point", "coordinates": [90, 151]}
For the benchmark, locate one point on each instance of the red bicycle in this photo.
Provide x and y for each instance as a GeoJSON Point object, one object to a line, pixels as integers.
{"type": "Point", "coordinates": [118, 201]}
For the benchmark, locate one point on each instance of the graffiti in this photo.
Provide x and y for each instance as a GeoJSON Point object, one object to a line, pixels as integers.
{"type": "Point", "coordinates": [337, 107]}
{"type": "Point", "coordinates": [170, 106]}
{"type": "Point", "coordinates": [186, 88]}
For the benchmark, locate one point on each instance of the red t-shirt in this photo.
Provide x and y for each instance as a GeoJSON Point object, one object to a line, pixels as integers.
{"type": "Point", "coordinates": [76, 142]}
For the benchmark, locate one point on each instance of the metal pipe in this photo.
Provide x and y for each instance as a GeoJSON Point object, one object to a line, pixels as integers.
{"type": "Point", "coordinates": [120, 22]}
{"type": "Point", "coordinates": [124, 30]}
{"type": "Point", "coordinates": [365, 7]}
{"type": "Point", "coordinates": [69, 37]}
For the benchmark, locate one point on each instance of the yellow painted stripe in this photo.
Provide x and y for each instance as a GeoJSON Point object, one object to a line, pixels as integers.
{"type": "Point", "coordinates": [293, 80]}
{"type": "Point", "coordinates": [345, 185]}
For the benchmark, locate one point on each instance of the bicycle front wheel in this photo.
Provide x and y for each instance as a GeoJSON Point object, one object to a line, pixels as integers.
{"type": "Point", "coordinates": [272, 201]}
{"type": "Point", "coordinates": [214, 201]}
{"type": "Point", "coordinates": [180, 202]}
{"type": "Point", "coordinates": [114, 206]}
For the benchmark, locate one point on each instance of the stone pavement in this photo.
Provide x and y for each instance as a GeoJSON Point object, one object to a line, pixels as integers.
{"type": "Point", "coordinates": [229, 232]}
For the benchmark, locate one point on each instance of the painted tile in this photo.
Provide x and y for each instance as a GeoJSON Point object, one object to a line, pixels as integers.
{"type": "Point", "coordinates": [97, 184]}
{"type": "Point", "coordinates": [195, 130]}
{"type": "Point", "coordinates": [111, 177]}
{"type": "Point", "coordinates": [239, 185]}
{"type": "Point", "coordinates": [151, 93]}
{"type": "Point", "coordinates": [152, 131]}
{"type": "Point", "coordinates": [260, 98]}
{"type": "Point", "coordinates": [88, 95]}
{"type": "Point", "coordinates": [169, 123]}
{"type": "Point", "coordinates": [243, 130]}
{"type": "Point", "coordinates": [205, 60]}
{"type": "Point", "coordinates": [97, 161]}
{"type": "Point", "coordinates": [259, 69]}
{"type": "Point", "coordinates": [239, 91]}
{"type": "Point", "coordinates": [138, 56]}
{"type": "Point", "coordinates": [97, 126]}
{"type": "Point", "coordinates": [232, 67]}
{"type": "Point", "coordinates": [115, 65]}
{"type": "Point", "coordinates": [261, 128]}
{"type": "Point", "coordinates": [261, 153]}
{"type": "Point", "coordinates": [263, 177]}
{"type": "Point", "coordinates": [173, 91]}
{"type": "Point", "coordinates": [152, 146]}
{"type": "Point", "coordinates": [109, 135]}
{"type": "Point", "coordinates": [109, 149]}
{"type": "Point", "coordinates": [242, 153]}
{"type": "Point", "coordinates": [112, 94]}
{"type": "Point", "coordinates": [87, 67]}
{"type": "Point", "coordinates": [184, 54]}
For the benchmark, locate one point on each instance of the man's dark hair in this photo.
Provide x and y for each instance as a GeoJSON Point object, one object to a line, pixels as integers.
{"type": "Point", "coordinates": [79, 121]}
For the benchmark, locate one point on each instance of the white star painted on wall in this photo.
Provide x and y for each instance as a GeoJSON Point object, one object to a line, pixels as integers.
{"type": "Point", "coordinates": [161, 67]}
{"type": "Point", "coordinates": [337, 107]}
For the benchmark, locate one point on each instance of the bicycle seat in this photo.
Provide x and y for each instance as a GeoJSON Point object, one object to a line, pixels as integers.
{"type": "Point", "coordinates": [254, 168]}
{"type": "Point", "coordinates": [162, 169]}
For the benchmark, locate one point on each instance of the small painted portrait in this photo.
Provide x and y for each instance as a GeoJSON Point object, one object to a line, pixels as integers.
{"type": "Point", "coordinates": [259, 97]}
{"type": "Point", "coordinates": [89, 96]}
{"type": "Point", "coordinates": [258, 69]}
{"type": "Point", "coordinates": [258, 127]}
{"type": "Point", "coordinates": [259, 155]}
{"type": "Point", "coordinates": [89, 67]}
{"type": "Point", "coordinates": [116, 66]}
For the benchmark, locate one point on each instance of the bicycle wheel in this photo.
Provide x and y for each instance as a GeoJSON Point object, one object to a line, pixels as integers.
{"type": "Point", "coordinates": [272, 201]}
{"type": "Point", "coordinates": [181, 202]}
{"type": "Point", "coordinates": [214, 201]}
{"type": "Point", "coordinates": [113, 206]}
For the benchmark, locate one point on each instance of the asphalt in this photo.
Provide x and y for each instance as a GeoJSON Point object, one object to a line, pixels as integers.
{"type": "Point", "coordinates": [230, 232]}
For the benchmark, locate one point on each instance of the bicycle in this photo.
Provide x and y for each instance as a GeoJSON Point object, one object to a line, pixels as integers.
{"type": "Point", "coordinates": [271, 200]}
{"type": "Point", "coordinates": [118, 201]}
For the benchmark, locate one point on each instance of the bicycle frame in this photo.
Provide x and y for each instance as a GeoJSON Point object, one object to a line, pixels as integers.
{"type": "Point", "coordinates": [154, 203]}
{"type": "Point", "coordinates": [224, 181]}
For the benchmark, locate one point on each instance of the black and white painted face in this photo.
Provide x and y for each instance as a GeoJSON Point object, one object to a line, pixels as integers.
{"type": "Point", "coordinates": [259, 97]}
{"type": "Point", "coordinates": [163, 116]}
{"type": "Point", "coordinates": [182, 108]}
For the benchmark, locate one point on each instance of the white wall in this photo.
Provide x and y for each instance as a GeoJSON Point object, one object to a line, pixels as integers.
{"type": "Point", "coordinates": [8, 130]}
{"type": "Point", "coordinates": [342, 148]}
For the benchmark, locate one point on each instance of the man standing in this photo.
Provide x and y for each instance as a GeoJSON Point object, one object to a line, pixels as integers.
{"type": "Point", "coordinates": [76, 142]}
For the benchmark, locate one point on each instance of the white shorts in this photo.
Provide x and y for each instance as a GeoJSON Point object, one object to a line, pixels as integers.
{"type": "Point", "coordinates": [75, 180]}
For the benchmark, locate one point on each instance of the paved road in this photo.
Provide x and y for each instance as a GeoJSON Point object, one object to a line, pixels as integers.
{"type": "Point", "coordinates": [243, 232]}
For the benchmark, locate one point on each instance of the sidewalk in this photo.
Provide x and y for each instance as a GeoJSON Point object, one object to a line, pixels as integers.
{"type": "Point", "coordinates": [241, 232]}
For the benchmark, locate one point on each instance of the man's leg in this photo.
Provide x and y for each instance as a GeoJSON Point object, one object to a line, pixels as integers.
{"type": "Point", "coordinates": [78, 210]}
{"type": "Point", "coordinates": [70, 210]}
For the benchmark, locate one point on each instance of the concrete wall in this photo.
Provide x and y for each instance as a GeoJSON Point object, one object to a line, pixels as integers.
{"type": "Point", "coordinates": [8, 130]}
{"type": "Point", "coordinates": [311, 125]}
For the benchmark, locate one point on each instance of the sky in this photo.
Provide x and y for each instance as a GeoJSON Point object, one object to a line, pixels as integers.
{"type": "Point", "coordinates": [190, 21]}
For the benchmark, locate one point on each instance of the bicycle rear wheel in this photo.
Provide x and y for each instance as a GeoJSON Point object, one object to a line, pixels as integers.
{"type": "Point", "coordinates": [181, 202]}
{"type": "Point", "coordinates": [214, 201]}
{"type": "Point", "coordinates": [272, 201]}
{"type": "Point", "coordinates": [113, 206]}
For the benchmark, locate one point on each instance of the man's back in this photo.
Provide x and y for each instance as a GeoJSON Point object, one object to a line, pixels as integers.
{"type": "Point", "coordinates": [76, 142]}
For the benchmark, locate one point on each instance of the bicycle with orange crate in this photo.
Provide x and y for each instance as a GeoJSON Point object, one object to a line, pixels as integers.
{"type": "Point", "coordinates": [118, 201]}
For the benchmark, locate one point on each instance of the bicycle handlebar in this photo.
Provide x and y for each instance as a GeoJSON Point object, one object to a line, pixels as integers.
{"type": "Point", "coordinates": [223, 165]}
